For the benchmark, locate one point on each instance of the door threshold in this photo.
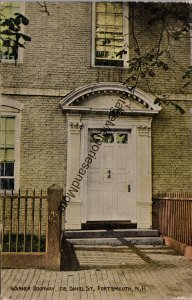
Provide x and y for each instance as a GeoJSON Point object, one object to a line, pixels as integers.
{"type": "Point", "coordinates": [108, 225]}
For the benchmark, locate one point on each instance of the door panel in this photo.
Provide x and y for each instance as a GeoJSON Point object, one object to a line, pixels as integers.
{"type": "Point", "coordinates": [109, 158]}
{"type": "Point", "coordinates": [122, 203]}
{"type": "Point", "coordinates": [108, 202]}
{"type": "Point", "coordinates": [121, 157]}
{"type": "Point", "coordinates": [108, 178]}
{"type": "Point", "coordinates": [93, 202]}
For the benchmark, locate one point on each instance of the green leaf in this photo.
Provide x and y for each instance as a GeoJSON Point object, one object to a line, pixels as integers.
{"type": "Point", "coordinates": [6, 43]}
{"type": "Point", "coordinates": [106, 42]}
{"type": "Point", "coordinates": [7, 32]}
{"type": "Point", "coordinates": [18, 20]}
{"type": "Point", "coordinates": [21, 19]}
{"type": "Point", "coordinates": [120, 53]}
{"type": "Point", "coordinates": [26, 37]}
{"type": "Point", "coordinates": [20, 45]}
{"type": "Point", "coordinates": [25, 21]}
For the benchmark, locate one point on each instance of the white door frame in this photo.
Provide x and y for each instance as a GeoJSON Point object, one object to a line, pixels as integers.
{"type": "Point", "coordinates": [98, 123]}
{"type": "Point", "coordinates": [139, 126]}
{"type": "Point", "coordinates": [92, 113]}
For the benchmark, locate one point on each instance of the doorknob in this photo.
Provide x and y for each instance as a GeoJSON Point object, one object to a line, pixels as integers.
{"type": "Point", "coordinates": [109, 174]}
{"type": "Point", "coordinates": [129, 188]}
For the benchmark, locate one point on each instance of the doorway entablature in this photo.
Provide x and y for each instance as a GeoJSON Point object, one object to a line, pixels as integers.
{"type": "Point", "coordinates": [87, 108]}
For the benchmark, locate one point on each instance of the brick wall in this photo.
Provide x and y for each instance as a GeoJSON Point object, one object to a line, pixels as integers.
{"type": "Point", "coordinates": [59, 55]}
{"type": "Point", "coordinates": [43, 143]}
{"type": "Point", "coordinates": [172, 150]}
{"type": "Point", "coordinates": [44, 146]}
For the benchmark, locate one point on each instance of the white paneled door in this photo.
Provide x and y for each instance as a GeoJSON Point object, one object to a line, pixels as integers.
{"type": "Point", "coordinates": [110, 186]}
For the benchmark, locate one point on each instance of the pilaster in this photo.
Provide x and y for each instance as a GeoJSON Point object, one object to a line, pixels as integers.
{"type": "Point", "coordinates": [73, 215]}
{"type": "Point", "coordinates": [144, 191]}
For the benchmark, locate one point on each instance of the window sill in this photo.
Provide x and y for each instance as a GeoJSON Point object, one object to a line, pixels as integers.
{"type": "Point", "coordinates": [110, 67]}
{"type": "Point", "coordinates": [10, 61]}
{"type": "Point", "coordinates": [9, 193]}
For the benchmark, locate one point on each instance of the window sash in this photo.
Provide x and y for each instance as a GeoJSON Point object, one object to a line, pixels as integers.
{"type": "Point", "coordinates": [107, 26]}
{"type": "Point", "coordinates": [7, 152]}
{"type": "Point", "coordinates": [110, 33]}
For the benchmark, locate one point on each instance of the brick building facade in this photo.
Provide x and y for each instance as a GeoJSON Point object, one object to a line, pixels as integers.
{"type": "Point", "coordinates": [59, 97]}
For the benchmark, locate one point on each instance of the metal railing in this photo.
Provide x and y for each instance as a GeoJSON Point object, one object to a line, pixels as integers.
{"type": "Point", "coordinates": [23, 219]}
{"type": "Point", "coordinates": [174, 216]}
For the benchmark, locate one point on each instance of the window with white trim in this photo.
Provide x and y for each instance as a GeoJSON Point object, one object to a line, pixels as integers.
{"type": "Point", "coordinates": [10, 135]}
{"type": "Point", "coordinates": [110, 29]}
{"type": "Point", "coordinates": [7, 152]}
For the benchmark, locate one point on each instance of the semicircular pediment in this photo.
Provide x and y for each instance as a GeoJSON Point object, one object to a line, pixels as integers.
{"type": "Point", "coordinates": [100, 97]}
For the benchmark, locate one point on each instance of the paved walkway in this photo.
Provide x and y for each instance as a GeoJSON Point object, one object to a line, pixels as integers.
{"type": "Point", "coordinates": [113, 273]}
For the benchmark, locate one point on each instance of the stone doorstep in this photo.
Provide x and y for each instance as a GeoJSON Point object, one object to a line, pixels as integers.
{"type": "Point", "coordinates": [116, 233]}
{"type": "Point", "coordinates": [118, 241]}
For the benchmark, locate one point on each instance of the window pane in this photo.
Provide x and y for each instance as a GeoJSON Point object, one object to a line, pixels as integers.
{"type": "Point", "coordinates": [9, 154]}
{"type": "Point", "coordinates": [2, 123]}
{"type": "Point", "coordinates": [109, 138]}
{"type": "Point", "coordinates": [15, 8]}
{"type": "Point", "coordinates": [7, 136]}
{"type": "Point", "coordinates": [9, 8]}
{"type": "Point", "coordinates": [100, 6]}
{"type": "Point", "coordinates": [95, 136]}
{"type": "Point", "coordinates": [109, 19]}
{"type": "Point", "coordinates": [1, 169]}
{"type": "Point", "coordinates": [118, 8]}
{"type": "Point", "coordinates": [10, 123]}
{"type": "Point", "coordinates": [119, 21]}
{"type": "Point", "coordinates": [122, 138]}
{"type": "Point", "coordinates": [9, 169]}
{"type": "Point", "coordinates": [7, 183]}
{"type": "Point", "coordinates": [100, 19]}
{"type": "Point", "coordinates": [2, 154]}
{"type": "Point", "coordinates": [2, 137]}
{"type": "Point", "coordinates": [110, 7]}
{"type": "Point", "coordinates": [118, 45]}
{"type": "Point", "coordinates": [10, 137]}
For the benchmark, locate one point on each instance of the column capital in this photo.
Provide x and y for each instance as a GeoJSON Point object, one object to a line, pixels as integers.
{"type": "Point", "coordinates": [143, 129]}
{"type": "Point", "coordinates": [75, 127]}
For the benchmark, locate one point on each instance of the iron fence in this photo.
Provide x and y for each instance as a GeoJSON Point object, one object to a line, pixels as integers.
{"type": "Point", "coordinates": [23, 218]}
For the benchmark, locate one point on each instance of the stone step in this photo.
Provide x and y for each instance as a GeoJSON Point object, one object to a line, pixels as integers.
{"type": "Point", "coordinates": [116, 233]}
{"type": "Point", "coordinates": [117, 241]}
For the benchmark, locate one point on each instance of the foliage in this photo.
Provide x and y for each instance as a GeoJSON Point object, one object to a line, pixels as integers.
{"type": "Point", "coordinates": [172, 24]}
{"type": "Point", "coordinates": [11, 36]}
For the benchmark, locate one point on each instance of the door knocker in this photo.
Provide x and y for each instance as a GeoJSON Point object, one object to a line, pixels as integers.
{"type": "Point", "coordinates": [109, 174]}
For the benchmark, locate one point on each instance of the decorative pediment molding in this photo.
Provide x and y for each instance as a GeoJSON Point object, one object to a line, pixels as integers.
{"type": "Point", "coordinates": [74, 100]}
{"type": "Point", "coordinates": [6, 103]}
